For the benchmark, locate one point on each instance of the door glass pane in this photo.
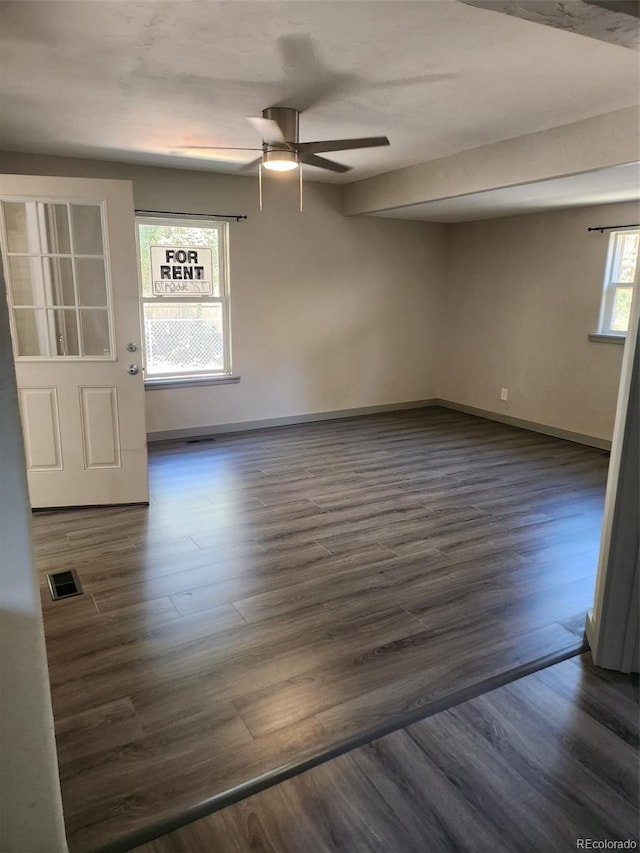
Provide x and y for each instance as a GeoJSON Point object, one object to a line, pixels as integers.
{"type": "Point", "coordinates": [46, 332]}
{"type": "Point", "coordinates": [92, 286]}
{"type": "Point", "coordinates": [26, 281]}
{"type": "Point", "coordinates": [41, 281]}
{"type": "Point", "coordinates": [58, 281]}
{"type": "Point", "coordinates": [183, 337]}
{"type": "Point", "coordinates": [86, 221]}
{"type": "Point", "coordinates": [66, 332]}
{"type": "Point", "coordinates": [56, 229]}
{"type": "Point", "coordinates": [31, 332]}
{"type": "Point", "coordinates": [94, 324]}
{"type": "Point", "coordinates": [18, 238]}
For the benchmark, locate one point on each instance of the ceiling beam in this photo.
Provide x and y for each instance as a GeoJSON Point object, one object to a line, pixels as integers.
{"type": "Point", "coordinates": [613, 21]}
{"type": "Point", "coordinates": [608, 140]}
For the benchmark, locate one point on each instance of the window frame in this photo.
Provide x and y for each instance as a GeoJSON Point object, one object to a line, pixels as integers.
{"type": "Point", "coordinates": [191, 376]}
{"type": "Point", "coordinates": [610, 287]}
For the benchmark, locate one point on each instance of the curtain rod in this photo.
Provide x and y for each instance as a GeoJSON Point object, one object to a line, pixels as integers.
{"type": "Point", "coordinates": [603, 228]}
{"type": "Point", "coordinates": [236, 216]}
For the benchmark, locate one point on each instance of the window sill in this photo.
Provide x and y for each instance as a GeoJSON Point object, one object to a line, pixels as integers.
{"type": "Point", "coordinates": [189, 381]}
{"type": "Point", "coordinates": [599, 338]}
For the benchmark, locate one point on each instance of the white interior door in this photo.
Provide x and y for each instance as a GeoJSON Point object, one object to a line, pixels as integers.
{"type": "Point", "coordinates": [70, 263]}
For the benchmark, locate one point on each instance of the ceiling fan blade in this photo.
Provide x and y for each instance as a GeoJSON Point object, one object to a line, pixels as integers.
{"type": "Point", "coordinates": [212, 148]}
{"type": "Point", "coordinates": [341, 144]}
{"type": "Point", "coordinates": [269, 130]}
{"type": "Point", "coordinates": [322, 163]}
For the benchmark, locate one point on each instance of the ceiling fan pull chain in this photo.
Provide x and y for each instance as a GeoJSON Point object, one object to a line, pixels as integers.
{"type": "Point", "coordinates": [300, 184]}
{"type": "Point", "coordinates": [260, 186]}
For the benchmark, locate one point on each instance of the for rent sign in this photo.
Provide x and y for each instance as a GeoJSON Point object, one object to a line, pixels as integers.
{"type": "Point", "coordinates": [181, 271]}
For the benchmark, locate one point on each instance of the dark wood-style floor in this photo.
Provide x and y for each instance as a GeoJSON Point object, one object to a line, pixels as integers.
{"type": "Point", "coordinates": [292, 588]}
{"type": "Point", "coordinates": [528, 768]}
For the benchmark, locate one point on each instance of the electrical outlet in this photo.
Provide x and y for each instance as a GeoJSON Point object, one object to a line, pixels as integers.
{"type": "Point", "coordinates": [504, 393]}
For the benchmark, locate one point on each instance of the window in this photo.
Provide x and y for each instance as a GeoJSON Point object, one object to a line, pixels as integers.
{"type": "Point", "coordinates": [184, 298]}
{"type": "Point", "coordinates": [619, 282]}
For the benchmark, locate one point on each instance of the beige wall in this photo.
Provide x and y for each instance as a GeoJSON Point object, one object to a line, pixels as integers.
{"type": "Point", "coordinates": [328, 313]}
{"type": "Point", "coordinates": [523, 293]}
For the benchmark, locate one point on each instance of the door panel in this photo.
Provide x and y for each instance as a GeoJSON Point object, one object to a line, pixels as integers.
{"type": "Point", "coordinates": [70, 257]}
{"type": "Point", "coordinates": [100, 433]}
{"type": "Point", "coordinates": [41, 428]}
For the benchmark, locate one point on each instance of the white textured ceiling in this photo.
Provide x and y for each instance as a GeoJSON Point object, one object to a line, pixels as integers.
{"type": "Point", "coordinates": [604, 186]}
{"type": "Point", "coordinates": [134, 80]}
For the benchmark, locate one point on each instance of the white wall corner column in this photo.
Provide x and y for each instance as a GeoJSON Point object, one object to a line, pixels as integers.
{"type": "Point", "coordinates": [31, 819]}
{"type": "Point", "coordinates": [612, 625]}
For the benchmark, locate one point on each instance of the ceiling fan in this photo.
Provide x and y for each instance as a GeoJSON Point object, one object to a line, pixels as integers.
{"type": "Point", "coordinates": [281, 149]}
{"type": "Point", "coordinates": [307, 80]}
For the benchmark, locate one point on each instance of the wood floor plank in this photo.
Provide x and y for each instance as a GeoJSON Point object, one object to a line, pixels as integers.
{"type": "Point", "coordinates": [106, 727]}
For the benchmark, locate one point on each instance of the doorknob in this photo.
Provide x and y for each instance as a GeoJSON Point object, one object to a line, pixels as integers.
{"type": "Point", "coordinates": [133, 369]}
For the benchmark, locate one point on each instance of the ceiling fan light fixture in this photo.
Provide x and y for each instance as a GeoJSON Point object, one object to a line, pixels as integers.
{"type": "Point", "coordinates": [280, 161]}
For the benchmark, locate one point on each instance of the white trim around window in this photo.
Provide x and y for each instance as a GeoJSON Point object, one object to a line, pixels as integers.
{"type": "Point", "coordinates": [184, 304]}
{"type": "Point", "coordinates": [620, 283]}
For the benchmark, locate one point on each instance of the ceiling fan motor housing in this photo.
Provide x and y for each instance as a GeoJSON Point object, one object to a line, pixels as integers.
{"type": "Point", "coordinates": [287, 119]}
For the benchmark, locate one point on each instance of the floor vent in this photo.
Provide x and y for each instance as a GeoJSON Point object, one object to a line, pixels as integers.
{"type": "Point", "coordinates": [64, 584]}
{"type": "Point", "coordinates": [198, 440]}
